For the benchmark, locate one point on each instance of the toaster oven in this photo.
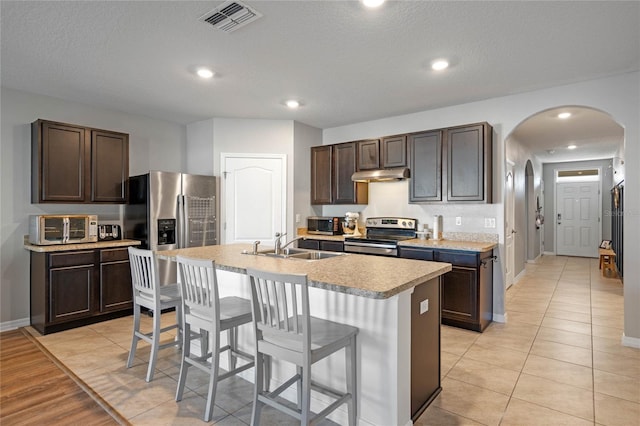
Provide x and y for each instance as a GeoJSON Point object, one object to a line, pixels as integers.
{"type": "Point", "coordinates": [63, 229]}
{"type": "Point", "coordinates": [324, 225]}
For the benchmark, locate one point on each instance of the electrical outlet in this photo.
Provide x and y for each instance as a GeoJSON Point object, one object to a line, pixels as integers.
{"type": "Point", "coordinates": [424, 306]}
{"type": "Point", "coordinates": [297, 217]}
{"type": "Point", "coordinates": [458, 220]}
{"type": "Point", "coordinates": [489, 222]}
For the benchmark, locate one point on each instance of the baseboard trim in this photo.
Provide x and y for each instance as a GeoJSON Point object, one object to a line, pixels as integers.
{"type": "Point", "coordinates": [632, 342]}
{"type": "Point", "coordinates": [549, 253]}
{"type": "Point", "coordinates": [12, 325]}
{"type": "Point", "coordinates": [519, 276]}
{"type": "Point", "coordinates": [500, 318]}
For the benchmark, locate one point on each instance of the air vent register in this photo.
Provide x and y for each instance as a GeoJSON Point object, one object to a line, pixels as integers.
{"type": "Point", "coordinates": [230, 16]}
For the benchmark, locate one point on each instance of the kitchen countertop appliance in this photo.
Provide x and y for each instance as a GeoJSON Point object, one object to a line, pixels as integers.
{"type": "Point", "coordinates": [168, 211]}
{"type": "Point", "coordinates": [382, 236]}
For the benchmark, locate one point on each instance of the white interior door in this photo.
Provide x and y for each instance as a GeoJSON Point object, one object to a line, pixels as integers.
{"type": "Point", "coordinates": [254, 197]}
{"type": "Point", "coordinates": [577, 219]}
{"type": "Point", "coordinates": [509, 225]}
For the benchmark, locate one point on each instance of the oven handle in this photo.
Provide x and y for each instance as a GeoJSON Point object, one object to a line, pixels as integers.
{"type": "Point", "coordinates": [372, 245]}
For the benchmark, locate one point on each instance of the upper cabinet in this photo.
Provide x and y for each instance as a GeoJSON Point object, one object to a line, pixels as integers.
{"type": "Point", "coordinates": [451, 165]}
{"type": "Point", "coordinates": [393, 151]}
{"type": "Point", "coordinates": [76, 164]}
{"type": "Point", "coordinates": [425, 152]}
{"type": "Point", "coordinates": [383, 153]}
{"type": "Point", "coordinates": [331, 170]}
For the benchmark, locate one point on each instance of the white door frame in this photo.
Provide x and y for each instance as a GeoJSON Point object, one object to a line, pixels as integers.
{"type": "Point", "coordinates": [223, 159]}
{"type": "Point", "coordinates": [555, 202]}
{"type": "Point", "coordinates": [509, 224]}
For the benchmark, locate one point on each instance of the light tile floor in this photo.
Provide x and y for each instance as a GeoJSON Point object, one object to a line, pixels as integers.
{"type": "Point", "coordinates": [558, 360]}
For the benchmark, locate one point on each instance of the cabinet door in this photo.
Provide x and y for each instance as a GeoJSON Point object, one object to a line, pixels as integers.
{"type": "Point", "coordinates": [394, 151]}
{"type": "Point", "coordinates": [425, 153]}
{"type": "Point", "coordinates": [109, 166]}
{"type": "Point", "coordinates": [369, 154]}
{"type": "Point", "coordinates": [345, 190]}
{"type": "Point", "coordinates": [469, 163]}
{"type": "Point", "coordinates": [71, 293]}
{"type": "Point", "coordinates": [60, 156]}
{"type": "Point", "coordinates": [459, 294]}
{"type": "Point", "coordinates": [331, 245]}
{"type": "Point", "coordinates": [115, 286]}
{"type": "Point", "coordinates": [415, 253]}
{"type": "Point", "coordinates": [309, 244]}
{"type": "Point", "coordinates": [321, 175]}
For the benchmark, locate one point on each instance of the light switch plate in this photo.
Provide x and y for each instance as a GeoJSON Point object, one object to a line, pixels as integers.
{"type": "Point", "coordinates": [424, 306]}
{"type": "Point", "coordinates": [458, 220]}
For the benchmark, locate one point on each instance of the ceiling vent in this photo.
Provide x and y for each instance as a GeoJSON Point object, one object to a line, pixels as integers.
{"type": "Point", "coordinates": [230, 16]}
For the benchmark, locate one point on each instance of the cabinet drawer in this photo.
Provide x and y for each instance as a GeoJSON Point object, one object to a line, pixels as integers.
{"type": "Point", "coordinates": [458, 258]}
{"type": "Point", "coordinates": [416, 253]}
{"type": "Point", "coordinates": [76, 258]}
{"type": "Point", "coordinates": [309, 244]}
{"type": "Point", "coordinates": [114, 255]}
{"type": "Point", "coordinates": [332, 245]}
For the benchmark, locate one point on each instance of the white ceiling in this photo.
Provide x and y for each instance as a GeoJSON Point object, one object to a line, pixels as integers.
{"type": "Point", "coordinates": [345, 63]}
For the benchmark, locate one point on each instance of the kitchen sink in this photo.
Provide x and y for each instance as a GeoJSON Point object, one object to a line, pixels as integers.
{"type": "Point", "coordinates": [291, 253]}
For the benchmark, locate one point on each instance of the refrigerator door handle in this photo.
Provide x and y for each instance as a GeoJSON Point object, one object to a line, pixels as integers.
{"type": "Point", "coordinates": [182, 239]}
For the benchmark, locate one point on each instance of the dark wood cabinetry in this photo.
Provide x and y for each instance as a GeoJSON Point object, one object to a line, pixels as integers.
{"type": "Point", "coordinates": [331, 170]}
{"type": "Point", "coordinates": [369, 154]}
{"type": "Point", "coordinates": [73, 288]}
{"type": "Point", "coordinates": [393, 151]}
{"type": "Point", "coordinates": [469, 163]}
{"type": "Point", "coordinates": [467, 290]}
{"type": "Point", "coordinates": [75, 164]}
{"type": "Point", "coordinates": [383, 153]}
{"type": "Point", "coordinates": [324, 245]}
{"type": "Point", "coordinates": [425, 153]}
{"type": "Point", "coordinates": [451, 165]}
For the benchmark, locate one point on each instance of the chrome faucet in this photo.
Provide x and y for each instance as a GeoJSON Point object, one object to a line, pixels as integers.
{"type": "Point", "coordinates": [278, 244]}
{"type": "Point", "coordinates": [255, 247]}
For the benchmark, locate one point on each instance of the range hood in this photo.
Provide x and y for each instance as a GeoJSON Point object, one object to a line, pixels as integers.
{"type": "Point", "coordinates": [381, 175]}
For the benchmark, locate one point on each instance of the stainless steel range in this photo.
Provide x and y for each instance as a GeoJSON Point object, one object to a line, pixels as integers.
{"type": "Point", "coordinates": [382, 236]}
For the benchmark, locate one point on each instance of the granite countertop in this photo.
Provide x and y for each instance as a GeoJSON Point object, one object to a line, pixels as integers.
{"type": "Point", "coordinates": [80, 246]}
{"type": "Point", "coordinates": [479, 246]}
{"type": "Point", "coordinates": [374, 277]}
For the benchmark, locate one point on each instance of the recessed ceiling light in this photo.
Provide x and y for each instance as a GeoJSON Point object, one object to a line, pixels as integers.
{"type": "Point", "coordinates": [204, 73]}
{"type": "Point", "coordinates": [372, 3]}
{"type": "Point", "coordinates": [571, 147]}
{"type": "Point", "coordinates": [564, 115]}
{"type": "Point", "coordinates": [439, 64]}
{"type": "Point", "coordinates": [292, 103]}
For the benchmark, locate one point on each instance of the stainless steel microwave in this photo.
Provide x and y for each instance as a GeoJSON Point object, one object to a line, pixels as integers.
{"type": "Point", "coordinates": [324, 225]}
{"type": "Point", "coordinates": [63, 229]}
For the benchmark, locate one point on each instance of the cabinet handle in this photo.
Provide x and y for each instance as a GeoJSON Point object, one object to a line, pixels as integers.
{"type": "Point", "coordinates": [488, 259]}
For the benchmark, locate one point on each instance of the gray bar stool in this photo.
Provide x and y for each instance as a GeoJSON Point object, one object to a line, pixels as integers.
{"type": "Point", "coordinates": [148, 293]}
{"type": "Point", "coordinates": [203, 308]}
{"type": "Point", "coordinates": [285, 330]}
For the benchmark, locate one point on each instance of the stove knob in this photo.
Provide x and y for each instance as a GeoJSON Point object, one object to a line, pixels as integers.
{"type": "Point", "coordinates": [410, 224]}
{"type": "Point", "coordinates": [404, 223]}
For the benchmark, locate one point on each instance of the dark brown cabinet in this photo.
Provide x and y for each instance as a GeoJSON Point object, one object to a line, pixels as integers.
{"type": "Point", "coordinates": [76, 164]}
{"type": "Point", "coordinates": [324, 245]}
{"type": "Point", "coordinates": [451, 165]}
{"type": "Point", "coordinates": [467, 290]}
{"type": "Point", "coordinates": [331, 170]}
{"type": "Point", "coordinates": [469, 163]}
{"type": "Point", "coordinates": [393, 151]}
{"type": "Point", "coordinates": [79, 287]}
{"type": "Point", "coordinates": [369, 154]}
{"type": "Point", "coordinates": [425, 153]}
{"type": "Point", "coordinates": [383, 153]}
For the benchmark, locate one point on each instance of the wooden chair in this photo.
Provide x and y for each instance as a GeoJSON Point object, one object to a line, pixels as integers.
{"type": "Point", "coordinates": [148, 293]}
{"type": "Point", "coordinates": [285, 330]}
{"type": "Point", "coordinates": [202, 308]}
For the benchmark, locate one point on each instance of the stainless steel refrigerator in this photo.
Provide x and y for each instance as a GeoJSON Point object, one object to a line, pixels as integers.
{"type": "Point", "coordinates": [168, 210]}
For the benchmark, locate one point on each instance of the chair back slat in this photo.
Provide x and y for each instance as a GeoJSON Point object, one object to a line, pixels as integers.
{"type": "Point", "coordinates": [199, 286]}
{"type": "Point", "coordinates": [143, 273]}
{"type": "Point", "coordinates": [276, 308]}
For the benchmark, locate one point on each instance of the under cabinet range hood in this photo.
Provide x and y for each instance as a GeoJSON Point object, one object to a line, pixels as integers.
{"type": "Point", "coordinates": [381, 175]}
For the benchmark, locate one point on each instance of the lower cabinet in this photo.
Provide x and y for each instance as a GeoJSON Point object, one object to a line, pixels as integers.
{"type": "Point", "coordinates": [75, 288]}
{"type": "Point", "coordinates": [467, 290]}
{"type": "Point", "coordinates": [325, 245]}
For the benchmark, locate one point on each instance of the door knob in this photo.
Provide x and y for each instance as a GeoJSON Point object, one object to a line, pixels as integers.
{"type": "Point", "coordinates": [513, 231]}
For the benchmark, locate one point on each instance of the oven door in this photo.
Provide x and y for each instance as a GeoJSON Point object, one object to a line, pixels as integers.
{"type": "Point", "coordinates": [380, 249]}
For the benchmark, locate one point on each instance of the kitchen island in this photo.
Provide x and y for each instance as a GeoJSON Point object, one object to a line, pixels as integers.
{"type": "Point", "coordinates": [398, 346]}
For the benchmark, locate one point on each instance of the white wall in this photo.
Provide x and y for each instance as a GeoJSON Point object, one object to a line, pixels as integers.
{"type": "Point", "coordinates": [199, 148]}
{"type": "Point", "coordinates": [618, 96]}
{"type": "Point", "coordinates": [304, 137]}
{"type": "Point", "coordinates": [153, 144]}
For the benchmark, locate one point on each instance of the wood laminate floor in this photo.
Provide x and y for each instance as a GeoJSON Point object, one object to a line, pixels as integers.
{"type": "Point", "coordinates": [36, 390]}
